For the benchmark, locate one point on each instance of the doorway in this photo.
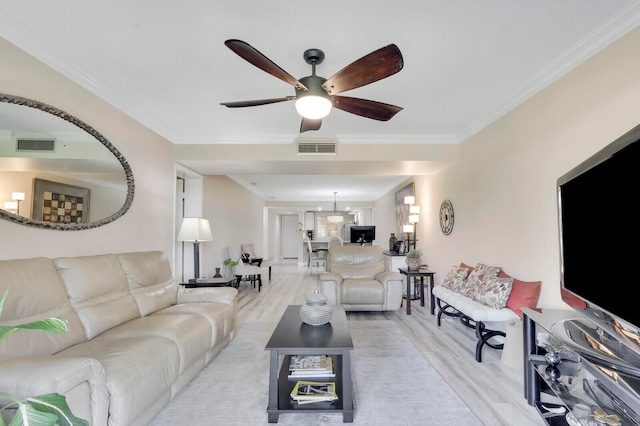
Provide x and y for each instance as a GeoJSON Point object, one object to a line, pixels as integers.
{"type": "Point", "coordinates": [290, 236]}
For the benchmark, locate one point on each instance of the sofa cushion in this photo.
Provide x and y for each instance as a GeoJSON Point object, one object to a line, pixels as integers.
{"type": "Point", "coordinates": [190, 333]}
{"type": "Point", "coordinates": [455, 277]}
{"type": "Point", "coordinates": [98, 291]}
{"type": "Point", "coordinates": [494, 292]}
{"type": "Point", "coordinates": [140, 372]}
{"type": "Point", "coordinates": [356, 261]}
{"type": "Point", "coordinates": [475, 278]}
{"type": "Point", "coordinates": [467, 267]}
{"type": "Point", "coordinates": [150, 280]}
{"type": "Point", "coordinates": [472, 308]}
{"type": "Point", "coordinates": [362, 291]}
{"type": "Point", "coordinates": [35, 292]}
{"type": "Point", "coordinates": [523, 294]}
{"type": "Point", "coordinates": [222, 317]}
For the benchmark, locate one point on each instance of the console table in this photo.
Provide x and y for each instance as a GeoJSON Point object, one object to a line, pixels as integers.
{"type": "Point", "coordinates": [578, 384]}
{"type": "Point", "coordinates": [394, 261]}
{"type": "Point", "coordinates": [210, 282]}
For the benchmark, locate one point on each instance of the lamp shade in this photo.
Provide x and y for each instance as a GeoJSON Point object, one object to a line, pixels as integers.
{"type": "Point", "coordinates": [335, 219]}
{"type": "Point", "coordinates": [409, 199]}
{"type": "Point", "coordinates": [10, 205]}
{"type": "Point", "coordinates": [194, 229]}
{"type": "Point", "coordinates": [414, 210]}
{"type": "Point", "coordinates": [17, 196]}
{"type": "Point", "coordinates": [407, 228]}
{"type": "Point", "coordinates": [414, 218]}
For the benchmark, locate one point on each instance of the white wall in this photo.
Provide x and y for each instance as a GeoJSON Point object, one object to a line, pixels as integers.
{"type": "Point", "coordinates": [148, 225]}
{"type": "Point", "coordinates": [503, 189]}
{"type": "Point", "coordinates": [235, 216]}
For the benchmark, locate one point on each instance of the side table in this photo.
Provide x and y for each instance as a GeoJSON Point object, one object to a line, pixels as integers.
{"type": "Point", "coordinates": [411, 275]}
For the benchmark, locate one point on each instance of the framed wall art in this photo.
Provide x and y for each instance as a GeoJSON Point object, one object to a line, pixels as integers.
{"type": "Point", "coordinates": [60, 203]}
{"type": "Point", "coordinates": [402, 209]}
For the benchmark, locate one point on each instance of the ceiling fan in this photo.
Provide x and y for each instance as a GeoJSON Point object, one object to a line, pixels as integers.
{"type": "Point", "coordinates": [315, 95]}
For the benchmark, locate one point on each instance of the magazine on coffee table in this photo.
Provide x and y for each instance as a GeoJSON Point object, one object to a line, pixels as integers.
{"type": "Point", "coordinates": [311, 366]}
{"type": "Point", "coordinates": [307, 392]}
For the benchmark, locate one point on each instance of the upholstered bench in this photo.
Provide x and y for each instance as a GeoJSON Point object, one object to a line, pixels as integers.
{"type": "Point", "coordinates": [483, 297]}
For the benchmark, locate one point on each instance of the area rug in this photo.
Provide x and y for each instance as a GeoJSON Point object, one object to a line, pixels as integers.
{"type": "Point", "coordinates": [393, 385]}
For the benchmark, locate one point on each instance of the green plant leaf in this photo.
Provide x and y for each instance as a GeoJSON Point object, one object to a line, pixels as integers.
{"type": "Point", "coordinates": [54, 325]}
{"type": "Point", "coordinates": [28, 416]}
{"type": "Point", "coordinates": [56, 404]}
{"type": "Point", "coordinates": [4, 296]}
{"type": "Point", "coordinates": [5, 331]}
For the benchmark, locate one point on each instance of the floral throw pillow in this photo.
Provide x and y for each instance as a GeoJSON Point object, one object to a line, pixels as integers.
{"type": "Point", "coordinates": [455, 278]}
{"type": "Point", "coordinates": [494, 292]}
{"type": "Point", "coordinates": [475, 279]}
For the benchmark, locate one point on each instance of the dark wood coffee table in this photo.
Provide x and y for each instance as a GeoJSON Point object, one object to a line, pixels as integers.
{"type": "Point", "coordinates": [293, 337]}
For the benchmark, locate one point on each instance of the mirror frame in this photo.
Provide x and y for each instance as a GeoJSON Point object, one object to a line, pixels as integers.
{"type": "Point", "coordinates": [17, 100]}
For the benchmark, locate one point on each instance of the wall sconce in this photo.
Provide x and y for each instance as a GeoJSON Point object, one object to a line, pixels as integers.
{"type": "Point", "coordinates": [195, 229]}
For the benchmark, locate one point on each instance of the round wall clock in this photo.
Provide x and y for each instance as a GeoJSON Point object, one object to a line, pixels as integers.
{"type": "Point", "coordinates": [446, 217]}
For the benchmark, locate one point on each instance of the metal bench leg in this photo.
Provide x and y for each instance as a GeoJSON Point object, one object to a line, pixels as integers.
{"type": "Point", "coordinates": [483, 335]}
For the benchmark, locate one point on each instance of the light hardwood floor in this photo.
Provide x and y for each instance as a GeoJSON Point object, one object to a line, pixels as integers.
{"type": "Point", "coordinates": [493, 394]}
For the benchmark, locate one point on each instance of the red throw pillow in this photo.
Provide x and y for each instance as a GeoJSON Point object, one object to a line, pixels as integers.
{"type": "Point", "coordinates": [468, 268]}
{"type": "Point", "coordinates": [523, 294]}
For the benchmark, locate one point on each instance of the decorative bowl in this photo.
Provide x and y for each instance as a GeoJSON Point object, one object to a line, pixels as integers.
{"type": "Point", "coordinates": [316, 311]}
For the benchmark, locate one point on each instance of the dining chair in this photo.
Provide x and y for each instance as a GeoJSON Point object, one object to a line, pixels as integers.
{"type": "Point", "coordinates": [252, 272]}
{"type": "Point", "coordinates": [314, 258]}
{"type": "Point", "coordinates": [335, 241]}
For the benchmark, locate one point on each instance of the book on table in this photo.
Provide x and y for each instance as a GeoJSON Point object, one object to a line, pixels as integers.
{"type": "Point", "coordinates": [311, 366]}
{"type": "Point", "coordinates": [305, 392]}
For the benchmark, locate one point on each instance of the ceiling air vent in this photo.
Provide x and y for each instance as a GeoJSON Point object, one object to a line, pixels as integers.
{"type": "Point", "coordinates": [316, 147]}
{"type": "Point", "coordinates": [46, 145]}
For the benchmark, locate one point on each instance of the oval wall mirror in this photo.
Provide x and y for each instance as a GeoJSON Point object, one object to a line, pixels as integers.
{"type": "Point", "coordinates": [56, 171]}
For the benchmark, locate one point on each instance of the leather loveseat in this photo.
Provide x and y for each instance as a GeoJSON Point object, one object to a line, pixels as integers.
{"type": "Point", "coordinates": [135, 338]}
{"type": "Point", "coordinates": [356, 278]}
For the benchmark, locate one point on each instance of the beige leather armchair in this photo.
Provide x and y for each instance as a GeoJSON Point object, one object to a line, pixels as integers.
{"type": "Point", "coordinates": [356, 279]}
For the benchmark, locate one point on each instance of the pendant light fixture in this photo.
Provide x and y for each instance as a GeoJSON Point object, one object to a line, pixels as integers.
{"type": "Point", "coordinates": [335, 218]}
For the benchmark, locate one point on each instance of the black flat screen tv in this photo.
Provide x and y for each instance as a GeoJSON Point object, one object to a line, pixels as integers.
{"type": "Point", "coordinates": [362, 234]}
{"type": "Point", "coordinates": [599, 230]}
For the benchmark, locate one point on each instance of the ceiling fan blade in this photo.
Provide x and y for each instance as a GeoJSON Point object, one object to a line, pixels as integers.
{"type": "Point", "coordinates": [375, 66]}
{"type": "Point", "coordinates": [257, 102]}
{"type": "Point", "coordinates": [251, 55]}
{"type": "Point", "coordinates": [365, 108]}
{"type": "Point", "coordinates": [310, 124]}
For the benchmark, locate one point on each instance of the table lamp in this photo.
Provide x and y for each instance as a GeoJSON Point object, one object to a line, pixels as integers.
{"type": "Point", "coordinates": [195, 229]}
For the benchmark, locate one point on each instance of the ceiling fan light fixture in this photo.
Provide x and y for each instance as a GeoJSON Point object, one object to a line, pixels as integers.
{"type": "Point", "coordinates": [313, 107]}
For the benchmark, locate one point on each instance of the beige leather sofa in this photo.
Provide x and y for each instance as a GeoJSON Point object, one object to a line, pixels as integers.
{"type": "Point", "coordinates": [135, 338]}
{"type": "Point", "coordinates": [356, 278]}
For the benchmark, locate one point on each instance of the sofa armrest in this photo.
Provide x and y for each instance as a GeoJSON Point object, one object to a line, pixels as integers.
{"type": "Point", "coordinates": [330, 282]}
{"type": "Point", "coordinates": [226, 295]}
{"type": "Point", "coordinates": [387, 276]}
{"type": "Point", "coordinates": [331, 276]}
{"type": "Point", "coordinates": [393, 283]}
{"type": "Point", "coordinates": [81, 380]}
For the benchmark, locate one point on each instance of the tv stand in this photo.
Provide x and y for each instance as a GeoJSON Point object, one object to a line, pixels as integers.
{"type": "Point", "coordinates": [579, 383]}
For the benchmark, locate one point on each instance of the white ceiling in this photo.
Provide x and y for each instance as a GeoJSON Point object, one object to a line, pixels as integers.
{"type": "Point", "coordinates": [164, 63]}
